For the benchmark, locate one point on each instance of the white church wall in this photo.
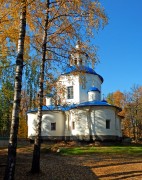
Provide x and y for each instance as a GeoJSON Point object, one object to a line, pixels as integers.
{"type": "Point", "coordinates": [31, 124]}
{"type": "Point", "coordinates": [92, 121]}
{"type": "Point", "coordinates": [101, 115]}
{"type": "Point", "coordinates": [49, 117]}
{"type": "Point", "coordinates": [86, 121]}
{"type": "Point", "coordinates": [67, 81]}
{"type": "Point", "coordinates": [56, 117]}
{"type": "Point", "coordinates": [118, 125]}
{"type": "Point", "coordinates": [91, 80]}
{"type": "Point", "coordinates": [81, 84]}
{"type": "Point", "coordinates": [81, 123]}
{"type": "Point", "coordinates": [67, 124]}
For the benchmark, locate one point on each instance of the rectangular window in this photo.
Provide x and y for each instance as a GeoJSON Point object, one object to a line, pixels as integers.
{"type": "Point", "coordinates": [107, 124]}
{"type": "Point", "coordinates": [73, 125]}
{"type": "Point", "coordinates": [53, 126]}
{"type": "Point", "coordinates": [70, 92]}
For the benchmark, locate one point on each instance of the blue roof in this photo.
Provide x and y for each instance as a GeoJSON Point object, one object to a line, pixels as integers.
{"type": "Point", "coordinates": [53, 108]}
{"type": "Point", "coordinates": [85, 69]}
{"type": "Point", "coordinates": [94, 89]}
{"type": "Point", "coordinates": [94, 103]}
{"type": "Point", "coordinates": [73, 106]}
{"type": "Point", "coordinates": [49, 95]}
{"type": "Point", "coordinates": [46, 108]}
{"type": "Point", "coordinates": [104, 100]}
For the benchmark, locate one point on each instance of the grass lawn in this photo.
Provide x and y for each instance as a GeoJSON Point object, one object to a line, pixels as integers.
{"type": "Point", "coordinates": [134, 150]}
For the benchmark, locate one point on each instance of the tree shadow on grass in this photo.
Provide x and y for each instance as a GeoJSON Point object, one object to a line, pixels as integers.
{"type": "Point", "coordinates": [116, 167]}
{"type": "Point", "coordinates": [122, 175]}
{"type": "Point", "coordinates": [117, 164]}
{"type": "Point", "coordinates": [56, 167]}
{"type": "Point", "coordinates": [53, 167]}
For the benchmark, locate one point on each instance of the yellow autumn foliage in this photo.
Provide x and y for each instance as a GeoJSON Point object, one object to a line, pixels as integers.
{"type": "Point", "coordinates": [23, 128]}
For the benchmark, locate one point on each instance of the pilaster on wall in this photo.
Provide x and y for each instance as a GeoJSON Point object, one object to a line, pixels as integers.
{"type": "Point", "coordinates": [67, 124]}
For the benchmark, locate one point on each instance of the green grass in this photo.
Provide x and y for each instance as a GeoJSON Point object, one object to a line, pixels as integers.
{"type": "Point", "coordinates": [134, 150]}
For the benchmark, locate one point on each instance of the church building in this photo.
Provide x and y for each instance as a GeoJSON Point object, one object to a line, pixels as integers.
{"type": "Point", "coordinates": [80, 113]}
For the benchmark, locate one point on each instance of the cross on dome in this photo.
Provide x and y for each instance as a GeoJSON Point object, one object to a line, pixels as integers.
{"type": "Point", "coordinates": [77, 45]}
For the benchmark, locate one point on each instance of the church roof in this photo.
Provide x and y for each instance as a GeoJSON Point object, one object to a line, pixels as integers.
{"type": "Point", "coordinates": [95, 103]}
{"type": "Point", "coordinates": [49, 95]}
{"type": "Point", "coordinates": [85, 69]}
{"type": "Point", "coordinates": [74, 106]}
{"type": "Point", "coordinates": [47, 108]}
{"type": "Point", "coordinates": [93, 89]}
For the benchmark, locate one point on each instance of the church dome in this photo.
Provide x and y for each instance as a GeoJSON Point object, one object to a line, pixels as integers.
{"type": "Point", "coordinates": [93, 94]}
{"type": "Point", "coordinates": [93, 89]}
{"type": "Point", "coordinates": [104, 101]}
{"type": "Point", "coordinates": [83, 69]}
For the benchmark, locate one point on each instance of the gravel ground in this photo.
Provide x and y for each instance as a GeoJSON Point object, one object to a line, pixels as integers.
{"type": "Point", "coordinates": [84, 167]}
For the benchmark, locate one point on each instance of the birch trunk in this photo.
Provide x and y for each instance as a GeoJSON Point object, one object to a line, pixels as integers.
{"type": "Point", "coordinates": [11, 159]}
{"type": "Point", "coordinates": [37, 143]}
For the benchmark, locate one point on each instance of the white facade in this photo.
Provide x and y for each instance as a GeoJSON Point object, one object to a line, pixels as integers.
{"type": "Point", "coordinates": [48, 119]}
{"type": "Point", "coordinates": [80, 113]}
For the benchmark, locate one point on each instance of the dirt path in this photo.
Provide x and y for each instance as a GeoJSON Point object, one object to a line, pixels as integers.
{"type": "Point", "coordinates": [84, 167]}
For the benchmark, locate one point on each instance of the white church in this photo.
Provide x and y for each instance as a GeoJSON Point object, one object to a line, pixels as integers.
{"type": "Point", "coordinates": [80, 113]}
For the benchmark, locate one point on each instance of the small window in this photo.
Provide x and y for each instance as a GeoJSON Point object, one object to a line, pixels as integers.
{"type": "Point", "coordinates": [53, 126]}
{"type": "Point", "coordinates": [70, 92]}
{"type": "Point", "coordinates": [107, 124]}
{"type": "Point", "coordinates": [80, 61]}
{"type": "Point", "coordinates": [73, 125]}
{"type": "Point", "coordinates": [75, 61]}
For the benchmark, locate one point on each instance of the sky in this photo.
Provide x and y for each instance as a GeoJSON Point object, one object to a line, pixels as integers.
{"type": "Point", "coordinates": [120, 46]}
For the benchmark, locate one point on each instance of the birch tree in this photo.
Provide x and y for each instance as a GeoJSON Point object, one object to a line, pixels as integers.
{"type": "Point", "coordinates": [36, 152]}
{"type": "Point", "coordinates": [11, 159]}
